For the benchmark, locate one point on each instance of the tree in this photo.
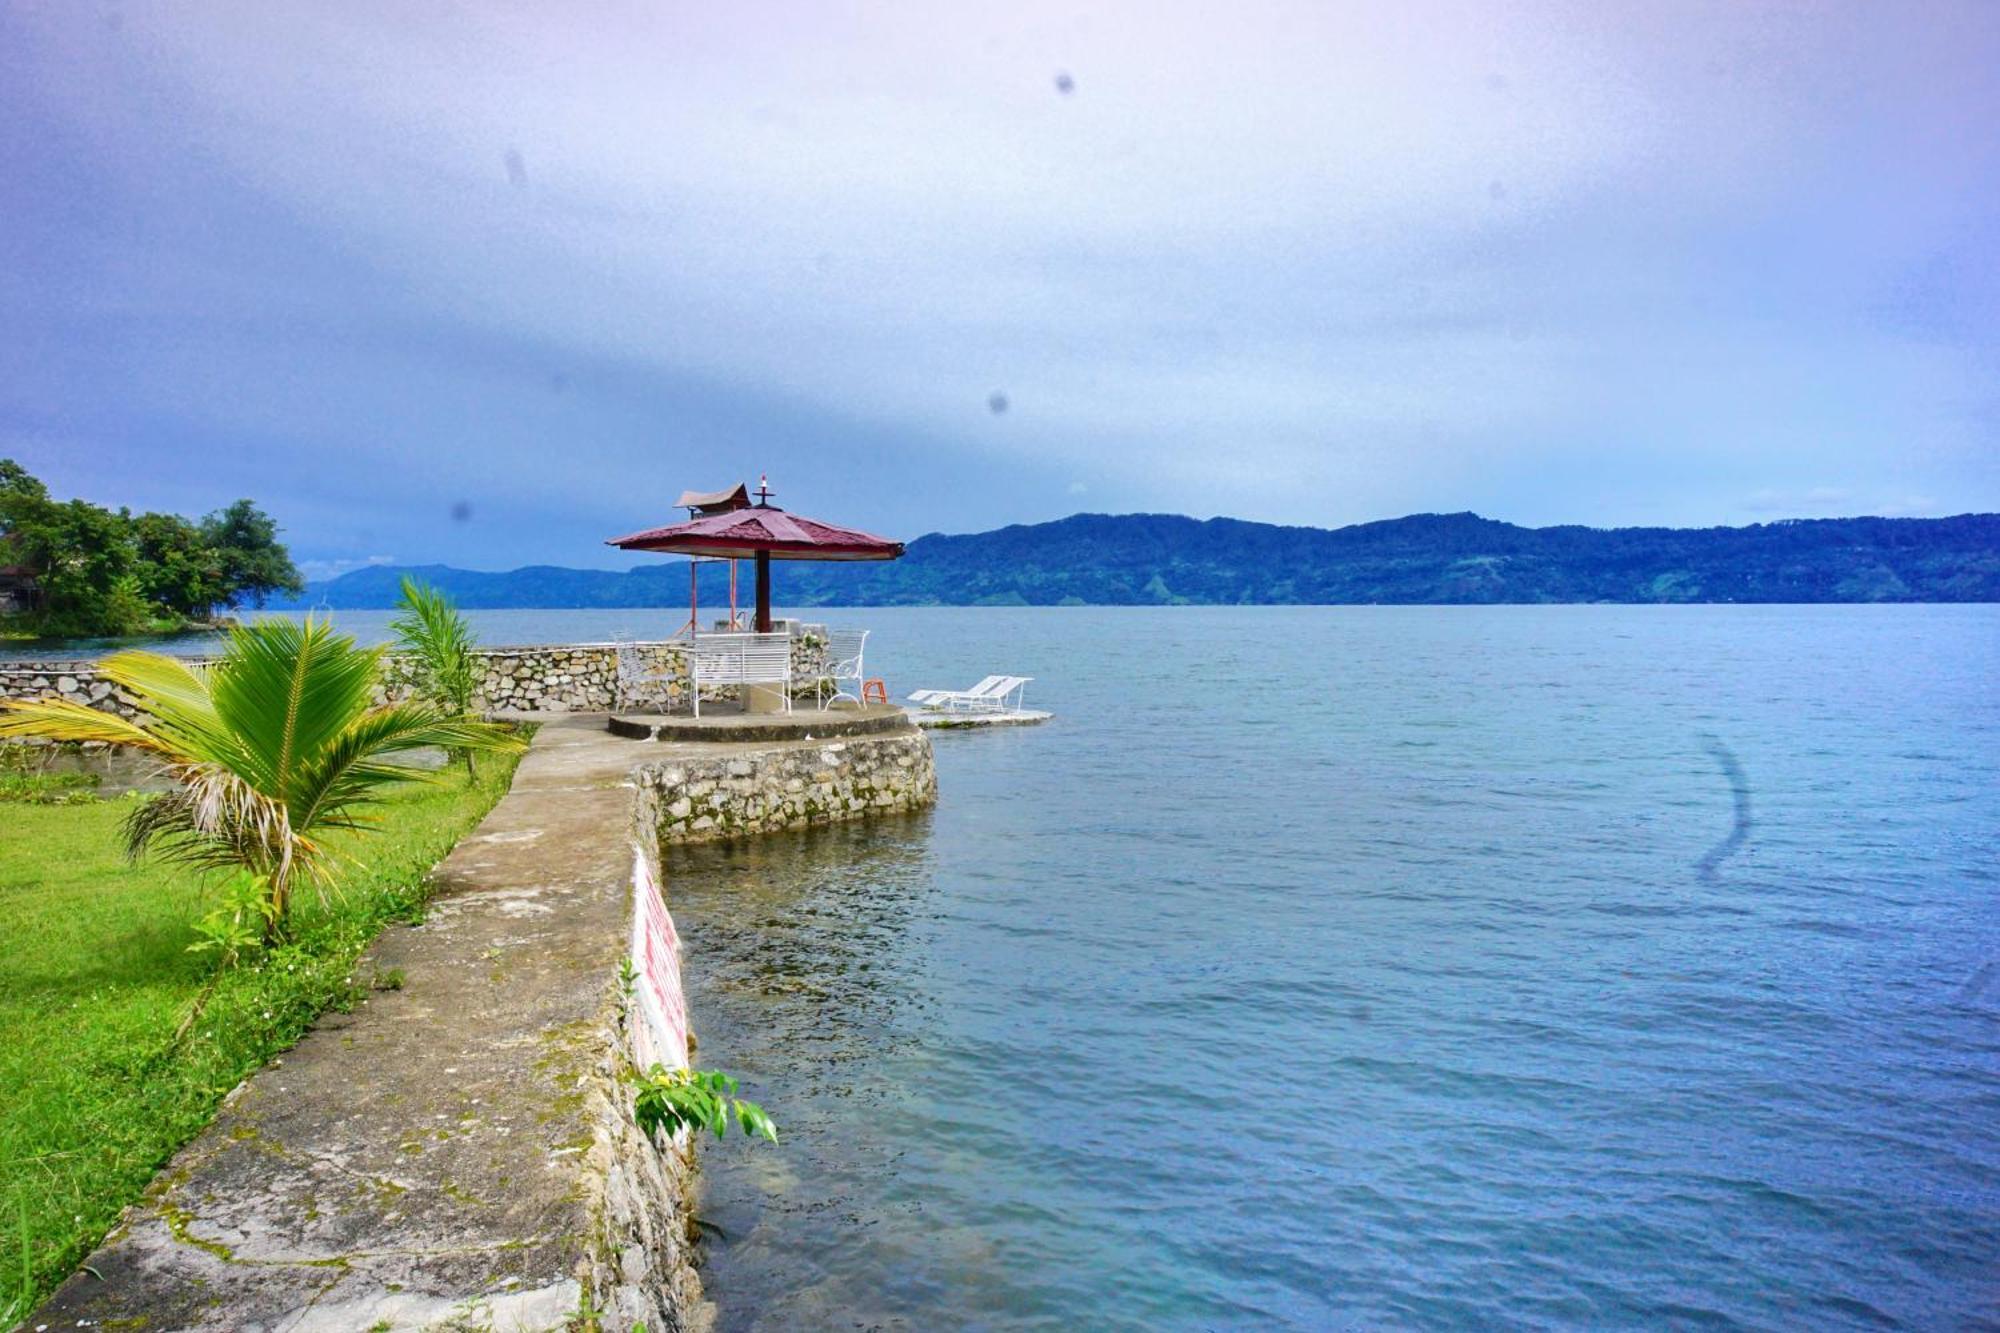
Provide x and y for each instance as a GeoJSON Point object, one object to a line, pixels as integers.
{"type": "Point", "coordinates": [439, 644]}
{"type": "Point", "coordinates": [253, 561]}
{"type": "Point", "coordinates": [79, 553]}
{"type": "Point", "coordinates": [22, 499]}
{"type": "Point", "coordinates": [270, 748]}
{"type": "Point", "coordinates": [102, 572]}
{"type": "Point", "coordinates": [177, 568]}
{"type": "Point", "coordinates": [16, 483]}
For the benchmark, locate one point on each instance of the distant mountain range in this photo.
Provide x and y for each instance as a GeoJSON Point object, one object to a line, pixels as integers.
{"type": "Point", "coordinates": [1166, 559]}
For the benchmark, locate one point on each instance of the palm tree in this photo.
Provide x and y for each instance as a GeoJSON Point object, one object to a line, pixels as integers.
{"type": "Point", "coordinates": [434, 635]}
{"type": "Point", "coordinates": [271, 747]}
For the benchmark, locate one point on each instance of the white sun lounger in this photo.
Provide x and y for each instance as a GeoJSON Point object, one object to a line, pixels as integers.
{"type": "Point", "coordinates": [995, 694]}
{"type": "Point", "coordinates": [928, 697]}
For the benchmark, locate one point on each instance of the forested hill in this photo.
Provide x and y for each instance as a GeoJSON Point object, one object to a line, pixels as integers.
{"type": "Point", "coordinates": [1151, 559]}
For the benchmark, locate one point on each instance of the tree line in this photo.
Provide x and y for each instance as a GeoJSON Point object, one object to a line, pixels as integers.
{"type": "Point", "coordinates": [80, 569]}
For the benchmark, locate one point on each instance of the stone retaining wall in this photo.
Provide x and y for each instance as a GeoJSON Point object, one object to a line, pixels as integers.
{"type": "Point", "coordinates": [640, 1257]}
{"type": "Point", "coordinates": [546, 678]}
{"type": "Point", "coordinates": [787, 786]}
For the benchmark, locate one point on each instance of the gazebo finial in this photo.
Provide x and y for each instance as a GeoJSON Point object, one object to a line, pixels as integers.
{"type": "Point", "coordinates": [764, 491]}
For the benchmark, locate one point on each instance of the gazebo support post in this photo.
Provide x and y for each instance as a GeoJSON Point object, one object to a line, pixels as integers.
{"type": "Point", "coordinates": [763, 698]}
{"type": "Point", "coordinates": [763, 592]}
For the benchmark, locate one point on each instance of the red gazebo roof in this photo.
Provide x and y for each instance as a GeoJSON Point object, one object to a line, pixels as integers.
{"type": "Point", "coordinates": [742, 532]}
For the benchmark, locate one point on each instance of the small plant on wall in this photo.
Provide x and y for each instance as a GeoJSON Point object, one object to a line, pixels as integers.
{"type": "Point", "coordinates": [671, 1100]}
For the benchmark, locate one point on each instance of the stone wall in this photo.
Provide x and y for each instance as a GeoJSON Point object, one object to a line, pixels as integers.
{"type": "Point", "coordinates": [640, 1260]}
{"type": "Point", "coordinates": [547, 678]}
{"type": "Point", "coordinates": [560, 678]}
{"type": "Point", "coordinates": [77, 682]}
{"type": "Point", "coordinates": [791, 785]}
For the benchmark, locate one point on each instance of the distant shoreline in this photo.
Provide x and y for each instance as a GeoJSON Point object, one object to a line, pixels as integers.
{"type": "Point", "coordinates": [1170, 560]}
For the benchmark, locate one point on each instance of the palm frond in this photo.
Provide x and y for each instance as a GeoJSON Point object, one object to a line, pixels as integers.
{"type": "Point", "coordinates": [61, 720]}
{"type": "Point", "coordinates": [430, 629]}
{"type": "Point", "coordinates": [286, 691]}
{"type": "Point", "coordinates": [168, 684]}
{"type": "Point", "coordinates": [175, 695]}
{"type": "Point", "coordinates": [349, 773]}
{"type": "Point", "coordinates": [212, 819]}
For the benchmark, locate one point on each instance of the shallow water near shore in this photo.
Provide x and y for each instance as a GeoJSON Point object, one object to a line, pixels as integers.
{"type": "Point", "coordinates": [1321, 967]}
{"type": "Point", "coordinates": [1384, 967]}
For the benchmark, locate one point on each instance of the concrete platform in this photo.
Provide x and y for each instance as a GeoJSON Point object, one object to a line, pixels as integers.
{"type": "Point", "coordinates": [728, 724]}
{"type": "Point", "coordinates": [933, 720]}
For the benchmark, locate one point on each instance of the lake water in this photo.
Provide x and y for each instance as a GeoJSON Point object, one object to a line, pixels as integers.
{"type": "Point", "coordinates": [1567, 966]}
{"type": "Point", "coordinates": [1385, 967]}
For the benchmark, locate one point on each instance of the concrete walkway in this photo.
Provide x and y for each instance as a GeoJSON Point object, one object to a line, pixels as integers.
{"type": "Point", "coordinates": [455, 1153]}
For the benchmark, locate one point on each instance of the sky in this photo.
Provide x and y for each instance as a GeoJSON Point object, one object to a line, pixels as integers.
{"type": "Point", "coordinates": [484, 285]}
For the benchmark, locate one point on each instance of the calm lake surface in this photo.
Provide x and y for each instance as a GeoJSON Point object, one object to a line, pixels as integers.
{"type": "Point", "coordinates": [1379, 966]}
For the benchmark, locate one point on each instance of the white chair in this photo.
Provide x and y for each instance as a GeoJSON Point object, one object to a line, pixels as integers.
{"type": "Point", "coordinates": [740, 659]}
{"type": "Point", "coordinates": [844, 651]}
{"type": "Point", "coordinates": [995, 694]}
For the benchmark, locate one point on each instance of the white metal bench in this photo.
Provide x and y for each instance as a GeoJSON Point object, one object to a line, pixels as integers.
{"type": "Point", "coordinates": [740, 659]}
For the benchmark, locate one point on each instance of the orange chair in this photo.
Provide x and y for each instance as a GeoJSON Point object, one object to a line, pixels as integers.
{"type": "Point", "coordinates": [874, 690]}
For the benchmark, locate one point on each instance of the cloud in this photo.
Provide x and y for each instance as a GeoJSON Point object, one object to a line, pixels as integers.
{"type": "Point", "coordinates": [319, 571]}
{"type": "Point", "coordinates": [558, 270]}
{"type": "Point", "coordinates": [1812, 498]}
{"type": "Point", "coordinates": [1834, 501]}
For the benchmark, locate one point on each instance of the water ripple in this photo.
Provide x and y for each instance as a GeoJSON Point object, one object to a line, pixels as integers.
{"type": "Point", "coordinates": [1442, 979]}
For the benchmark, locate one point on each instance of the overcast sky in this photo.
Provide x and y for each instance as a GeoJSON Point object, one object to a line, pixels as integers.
{"type": "Point", "coordinates": [487, 286]}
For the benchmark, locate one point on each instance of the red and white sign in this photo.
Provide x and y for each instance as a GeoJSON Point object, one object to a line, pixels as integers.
{"type": "Point", "coordinates": [659, 1036]}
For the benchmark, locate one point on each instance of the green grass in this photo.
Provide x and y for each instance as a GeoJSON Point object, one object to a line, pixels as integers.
{"type": "Point", "coordinates": [95, 977]}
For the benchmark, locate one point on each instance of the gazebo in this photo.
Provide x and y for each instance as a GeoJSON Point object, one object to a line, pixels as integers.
{"type": "Point", "coordinates": [728, 526]}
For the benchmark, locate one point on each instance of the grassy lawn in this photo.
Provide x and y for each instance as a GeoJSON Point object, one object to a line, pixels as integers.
{"type": "Point", "coordinates": [95, 977]}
